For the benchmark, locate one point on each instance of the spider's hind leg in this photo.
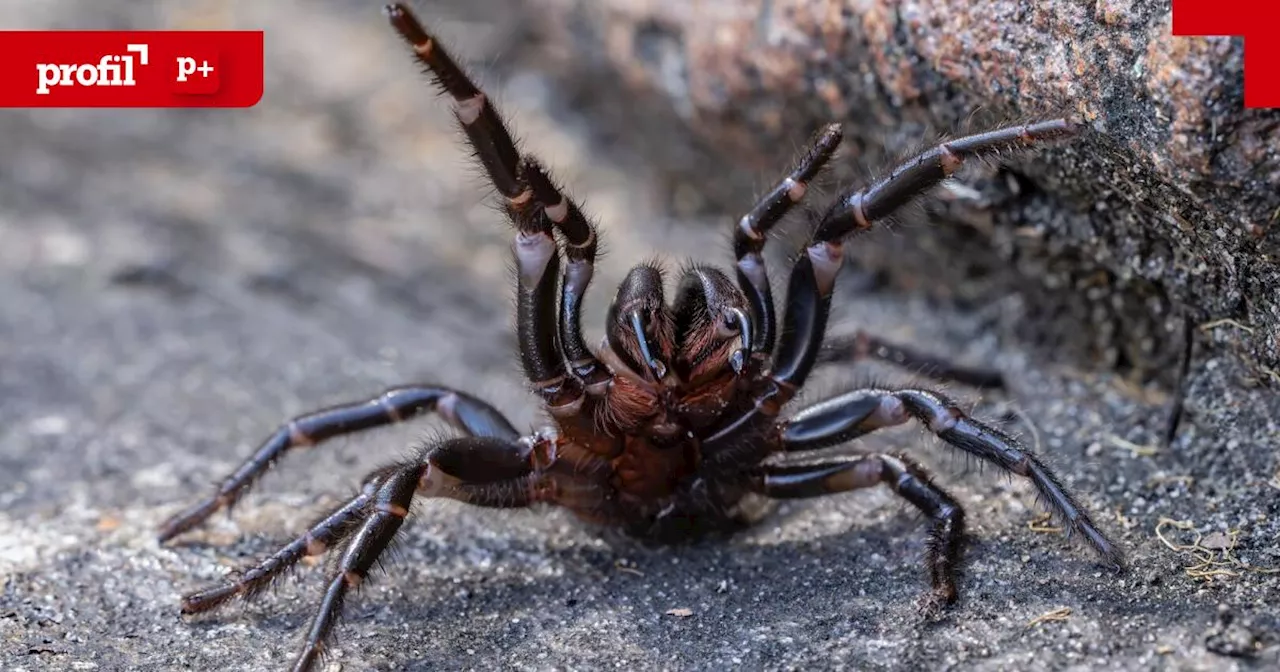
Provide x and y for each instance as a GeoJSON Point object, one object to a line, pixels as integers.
{"type": "Point", "coordinates": [484, 471]}
{"type": "Point", "coordinates": [858, 412]}
{"type": "Point", "coordinates": [321, 536]}
{"type": "Point", "coordinates": [907, 479]}
{"type": "Point", "coordinates": [861, 346]}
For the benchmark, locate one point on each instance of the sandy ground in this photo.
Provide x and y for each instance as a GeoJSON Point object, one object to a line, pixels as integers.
{"type": "Point", "coordinates": [173, 284]}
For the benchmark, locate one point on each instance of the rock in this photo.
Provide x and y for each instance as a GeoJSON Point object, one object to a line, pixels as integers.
{"type": "Point", "coordinates": [1169, 204]}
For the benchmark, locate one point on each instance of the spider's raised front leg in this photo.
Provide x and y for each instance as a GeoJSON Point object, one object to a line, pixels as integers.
{"type": "Point", "coordinates": [581, 246]}
{"type": "Point", "coordinates": [752, 232]}
{"type": "Point", "coordinates": [907, 479]}
{"type": "Point", "coordinates": [484, 471]}
{"type": "Point", "coordinates": [398, 404]}
{"type": "Point", "coordinates": [813, 277]}
{"type": "Point", "coordinates": [853, 414]}
{"type": "Point", "coordinates": [548, 336]}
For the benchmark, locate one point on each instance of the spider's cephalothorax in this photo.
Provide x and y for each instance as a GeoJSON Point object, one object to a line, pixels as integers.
{"type": "Point", "coordinates": [676, 417]}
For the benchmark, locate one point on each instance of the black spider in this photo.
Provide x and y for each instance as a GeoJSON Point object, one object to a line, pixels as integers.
{"type": "Point", "coordinates": [667, 426]}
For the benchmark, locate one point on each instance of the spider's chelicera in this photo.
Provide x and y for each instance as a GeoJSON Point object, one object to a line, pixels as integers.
{"type": "Point", "coordinates": [676, 418]}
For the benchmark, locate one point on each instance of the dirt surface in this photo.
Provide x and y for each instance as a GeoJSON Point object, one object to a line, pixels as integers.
{"type": "Point", "coordinates": [174, 284]}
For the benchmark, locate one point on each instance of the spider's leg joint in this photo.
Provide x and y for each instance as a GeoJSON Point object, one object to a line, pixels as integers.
{"type": "Point", "coordinates": [771, 402]}
{"type": "Point", "coordinates": [298, 437]}
{"type": "Point", "coordinates": [448, 407]}
{"type": "Point", "coordinates": [949, 160]}
{"type": "Point", "coordinates": [521, 199]}
{"type": "Point", "coordinates": [795, 189]}
{"type": "Point", "coordinates": [315, 546]}
{"type": "Point", "coordinates": [568, 409]}
{"type": "Point", "coordinates": [390, 408]}
{"type": "Point", "coordinates": [394, 509]}
{"type": "Point", "coordinates": [748, 228]}
{"type": "Point", "coordinates": [827, 257]}
{"type": "Point", "coordinates": [533, 250]}
{"type": "Point", "coordinates": [558, 212]}
{"type": "Point", "coordinates": [859, 212]}
{"type": "Point", "coordinates": [889, 413]}
{"type": "Point", "coordinates": [469, 109]}
{"type": "Point", "coordinates": [587, 244]}
{"type": "Point", "coordinates": [563, 395]}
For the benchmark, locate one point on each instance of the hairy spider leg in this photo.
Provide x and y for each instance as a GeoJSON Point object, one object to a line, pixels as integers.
{"type": "Point", "coordinates": [397, 404]}
{"type": "Point", "coordinates": [858, 412]}
{"type": "Point", "coordinates": [581, 244]}
{"type": "Point", "coordinates": [752, 230]}
{"type": "Point", "coordinates": [321, 536]}
{"type": "Point", "coordinates": [906, 478]}
{"type": "Point", "coordinates": [538, 276]}
{"type": "Point", "coordinates": [549, 334]}
{"type": "Point", "coordinates": [481, 471]}
{"type": "Point", "coordinates": [488, 471]}
{"type": "Point", "coordinates": [813, 276]}
{"type": "Point", "coordinates": [537, 255]}
{"type": "Point", "coordinates": [484, 127]}
{"type": "Point", "coordinates": [862, 345]}
{"type": "Point", "coordinates": [913, 177]}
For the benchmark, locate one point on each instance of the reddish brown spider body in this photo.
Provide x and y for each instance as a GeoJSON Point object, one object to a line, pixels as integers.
{"type": "Point", "coordinates": [665, 427]}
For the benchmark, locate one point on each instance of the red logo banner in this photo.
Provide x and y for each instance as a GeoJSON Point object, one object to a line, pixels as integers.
{"type": "Point", "coordinates": [131, 68]}
{"type": "Point", "coordinates": [1258, 22]}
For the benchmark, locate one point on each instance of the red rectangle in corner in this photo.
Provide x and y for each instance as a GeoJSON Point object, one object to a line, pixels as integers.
{"type": "Point", "coordinates": [162, 68]}
{"type": "Point", "coordinates": [1258, 22]}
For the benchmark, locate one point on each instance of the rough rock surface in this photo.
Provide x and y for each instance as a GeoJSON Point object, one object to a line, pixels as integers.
{"type": "Point", "coordinates": [1169, 206]}
{"type": "Point", "coordinates": [174, 284]}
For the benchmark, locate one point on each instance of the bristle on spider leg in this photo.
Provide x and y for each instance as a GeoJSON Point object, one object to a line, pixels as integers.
{"type": "Point", "coordinates": [445, 72]}
{"type": "Point", "coordinates": [790, 191]}
{"type": "Point", "coordinates": [253, 581]}
{"type": "Point", "coordinates": [916, 175]}
{"type": "Point", "coordinates": [483, 126]}
{"type": "Point", "coordinates": [957, 429]}
{"type": "Point", "coordinates": [386, 513]}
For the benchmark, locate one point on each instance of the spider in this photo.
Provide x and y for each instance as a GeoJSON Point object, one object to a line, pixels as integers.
{"type": "Point", "coordinates": [667, 427]}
